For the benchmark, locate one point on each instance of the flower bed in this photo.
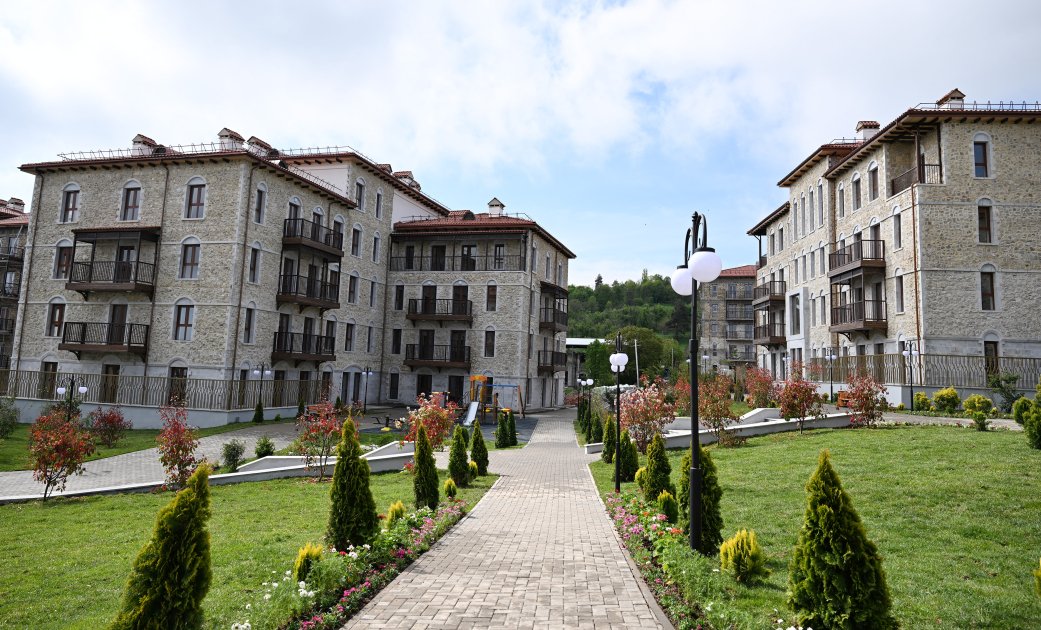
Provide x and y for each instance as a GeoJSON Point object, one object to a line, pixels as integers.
{"type": "Point", "coordinates": [341, 582]}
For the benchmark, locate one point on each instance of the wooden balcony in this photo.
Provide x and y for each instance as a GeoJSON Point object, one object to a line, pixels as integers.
{"type": "Point", "coordinates": [863, 316]}
{"type": "Point", "coordinates": [305, 291]}
{"type": "Point", "coordinates": [769, 334]}
{"type": "Point", "coordinates": [112, 276]}
{"type": "Point", "coordinates": [300, 347]}
{"type": "Point", "coordinates": [925, 174]}
{"type": "Point", "coordinates": [857, 256]}
{"type": "Point", "coordinates": [440, 310]}
{"type": "Point", "coordinates": [429, 355]}
{"type": "Point", "coordinates": [769, 291]}
{"type": "Point", "coordinates": [304, 233]}
{"type": "Point", "coordinates": [551, 361]}
{"type": "Point", "coordinates": [552, 320]}
{"type": "Point", "coordinates": [78, 337]}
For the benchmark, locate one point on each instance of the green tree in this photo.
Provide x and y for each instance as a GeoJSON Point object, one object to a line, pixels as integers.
{"type": "Point", "coordinates": [607, 454]}
{"type": "Point", "coordinates": [258, 412]}
{"type": "Point", "coordinates": [629, 458]}
{"type": "Point", "coordinates": [598, 429]}
{"type": "Point", "coordinates": [598, 362]}
{"type": "Point", "coordinates": [478, 449]}
{"type": "Point", "coordinates": [424, 482]}
{"type": "Point", "coordinates": [502, 432]}
{"type": "Point", "coordinates": [511, 427]}
{"type": "Point", "coordinates": [651, 350]}
{"type": "Point", "coordinates": [458, 463]}
{"type": "Point", "coordinates": [658, 470]}
{"type": "Point", "coordinates": [835, 576]}
{"type": "Point", "coordinates": [172, 573]}
{"type": "Point", "coordinates": [711, 496]}
{"type": "Point", "coordinates": [352, 519]}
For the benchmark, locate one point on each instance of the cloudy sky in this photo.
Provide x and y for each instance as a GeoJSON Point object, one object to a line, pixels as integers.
{"type": "Point", "coordinates": [606, 122]}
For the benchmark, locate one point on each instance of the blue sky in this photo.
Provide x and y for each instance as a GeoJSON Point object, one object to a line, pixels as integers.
{"type": "Point", "coordinates": [606, 122]}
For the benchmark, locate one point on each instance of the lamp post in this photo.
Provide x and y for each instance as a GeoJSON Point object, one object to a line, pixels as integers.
{"type": "Point", "coordinates": [68, 401]}
{"type": "Point", "coordinates": [831, 376]}
{"type": "Point", "coordinates": [261, 372]}
{"type": "Point", "coordinates": [365, 398]}
{"type": "Point", "coordinates": [589, 397]}
{"type": "Point", "coordinates": [704, 363]}
{"type": "Point", "coordinates": [618, 361]}
{"type": "Point", "coordinates": [911, 353]}
{"type": "Point", "coordinates": [700, 264]}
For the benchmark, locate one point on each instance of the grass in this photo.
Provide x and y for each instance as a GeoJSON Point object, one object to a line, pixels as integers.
{"type": "Point", "coordinates": [955, 513]}
{"type": "Point", "coordinates": [14, 451]}
{"type": "Point", "coordinates": [66, 561]}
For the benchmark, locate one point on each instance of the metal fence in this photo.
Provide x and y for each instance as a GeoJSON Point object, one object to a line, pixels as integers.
{"type": "Point", "coordinates": [930, 370]}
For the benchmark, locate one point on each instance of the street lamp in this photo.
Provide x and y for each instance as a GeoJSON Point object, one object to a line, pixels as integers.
{"type": "Point", "coordinates": [700, 264]}
{"type": "Point", "coordinates": [261, 371]}
{"type": "Point", "coordinates": [831, 376]}
{"type": "Point", "coordinates": [589, 396]}
{"type": "Point", "coordinates": [618, 361]}
{"type": "Point", "coordinates": [82, 389]}
{"type": "Point", "coordinates": [365, 398]}
{"type": "Point", "coordinates": [911, 353]}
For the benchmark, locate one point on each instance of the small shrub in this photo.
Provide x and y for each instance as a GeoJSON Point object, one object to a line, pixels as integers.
{"type": "Point", "coordinates": [921, 402]}
{"type": "Point", "coordinates": [980, 420]}
{"type": "Point", "coordinates": [450, 488]}
{"type": "Point", "coordinates": [946, 400]}
{"type": "Point", "coordinates": [607, 454]}
{"type": "Point", "coordinates": [1004, 385]}
{"type": "Point", "coordinates": [352, 514]}
{"type": "Point", "coordinates": [258, 413]}
{"type": "Point", "coordinates": [668, 506]}
{"type": "Point", "coordinates": [478, 449]}
{"type": "Point", "coordinates": [466, 436]}
{"type": "Point", "coordinates": [629, 460]}
{"type": "Point", "coordinates": [1021, 408]}
{"type": "Point", "coordinates": [742, 557]}
{"type": "Point", "coordinates": [394, 512]}
{"type": "Point", "coordinates": [658, 470]}
{"type": "Point", "coordinates": [438, 421]}
{"type": "Point", "coordinates": [641, 479]}
{"type": "Point", "coordinates": [867, 400]}
{"type": "Point", "coordinates": [177, 443]}
{"type": "Point", "coordinates": [1032, 427]}
{"type": "Point", "coordinates": [977, 403]}
{"type": "Point", "coordinates": [319, 435]}
{"type": "Point", "coordinates": [306, 558]}
{"type": "Point", "coordinates": [458, 466]}
{"type": "Point", "coordinates": [901, 407]}
{"type": "Point", "coordinates": [511, 426]}
{"type": "Point", "coordinates": [107, 426]}
{"type": "Point", "coordinates": [645, 411]}
{"type": "Point", "coordinates": [8, 416]}
{"type": "Point", "coordinates": [759, 383]}
{"type": "Point", "coordinates": [474, 470]}
{"type": "Point", "coordinates": [502, 435]}
{"type": "Point", "coordinates": [57, 450]}
{"type": "Point", "coordinates": [265, 447]}
{"type": "Point", "coordinates": [424, 483]}
{"type": "Point", "coordinates": [598, 430]}
{"type": "Point", "coordinates": [231, 454]}
{"type": "Point", "coordinates": [711, 495]}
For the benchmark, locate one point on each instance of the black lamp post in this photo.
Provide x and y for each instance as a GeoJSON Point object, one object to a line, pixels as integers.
{"type": "Point", "coordinates": [831, 376]}
{"type": "Point", "coordinates": [700, 264]}
{"type": "Point", "coordinates": [365, 398]}
{"type": "Point", "coordinates": [911, 353]}
{"type": "Point", "coordinates": [68, 401]}
{"type": "Point", "coordinates": [260, 372]}
{"type": "Point", "coordinates": [618, 361]}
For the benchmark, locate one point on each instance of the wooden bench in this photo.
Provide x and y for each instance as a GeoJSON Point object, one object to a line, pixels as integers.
{"type": "Point", "coordinates": [843, 400]}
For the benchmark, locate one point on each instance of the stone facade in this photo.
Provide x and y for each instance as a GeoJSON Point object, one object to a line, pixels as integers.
{"type": "Point", "coordinates": [13, 224]}
{"type": "Point", "coordinates": [923, 231]}
{"type": "Point", "coordinates": [726, 320]}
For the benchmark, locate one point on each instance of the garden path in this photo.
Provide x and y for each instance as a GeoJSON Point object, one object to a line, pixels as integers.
{"type": "Point", "coordinates": [538, 551]}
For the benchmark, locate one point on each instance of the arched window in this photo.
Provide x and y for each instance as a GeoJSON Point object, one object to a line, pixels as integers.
{"type": "Point", "coordinates": [191, 251]}
{"type": "Point", "coordinates": [249, 323]}
{"type": "Point", "coordinates": [841, 195]}
{"type": "Point", "coordinates": [982, 157]}
{"type": "Point", "coordinates": [988, 287]}
{"type": "Point", "coordinates": [63, 252]}
{"type": "Point", "coordinates": [55, 317]}
{"type": "Point", "coordinates": [130, 206]}
{"type": "Point", "coordinates": [491, 302]}
{"type": "Point", "coordinates": [376, 247]}
{"type": "Point", "coordinates": [856, 191]}
{"type": "Point", "coordinates": [260, 203]}
{"type": "Point", "coordinates": [359, 194]}
{"type": "Point", "coordinates": [338, 223]}
{"type": "Point", "coordinates": [379, 203]}
{"type": "Point", "coordinates": [489, 341]}
{"type": "Point", "coordinates": [183, 320]}
{"type": "Point", "coordinates": [70, 203]}
{"type": "Point", "coordinates": [356, 233]}
{"type": "Point", "coordinates": [872, 181]}
{"type": "Point", "coordinates": [348, 341]}
{"type": "Point", "coordinates": [195, 199]}
{"type": "Point", "coordinates": [898, 228]}
{"type": "Point", "coordinates": [985, 220]}
{"type": "Point", "coordinates": [293, 212]}
{"type": "Point", "coordinates": [820, 201]}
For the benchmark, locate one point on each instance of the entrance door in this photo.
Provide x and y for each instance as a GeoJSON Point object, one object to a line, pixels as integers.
{"type": "Point", "coordinates": [109, 382]}
{"type": "Point", "coordinates": [126, 255]}
{"type": "Point", "coordinates": [426, 345]}
{"type": "Point", "coordinates": [460, 297]}
{"type": "Point", "coordinates": [117, 325]}
{"type": "Point", "coordinates": [356, 390]}
{"type": "Point", "coordinates": [990, 356]}
{"type": "Point", "coordinates": [455, 388]}
{"type": "Point", "coordinates": [424, 384]}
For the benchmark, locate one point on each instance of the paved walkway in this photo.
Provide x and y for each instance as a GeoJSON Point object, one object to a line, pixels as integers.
{"type": "Point", "coordinates": [538, 551]}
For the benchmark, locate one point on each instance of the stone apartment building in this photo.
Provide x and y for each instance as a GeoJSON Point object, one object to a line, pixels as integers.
{"type": "Point", "coordinates": [13, 222]}
{"type": "Point", "coordinates": [726, 320]}
{"type": "Point", "coordinates": [232, 272]}
{"type": "Point", "coordinates": [920, 235]}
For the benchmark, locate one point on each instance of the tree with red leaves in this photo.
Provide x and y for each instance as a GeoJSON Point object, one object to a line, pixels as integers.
{"type": "Point", "coordinates": [867, 400]}
{"type": "Point", "coordinates": [108, 426]}
{"type": "Point", "coordinates": [714, 402]}
{"type": "Point", "coordinates": [759, 383]}
{"type": "Point", "coordinates": [319, 434]}
{"type": "Point", "coordinates": [799, 398]}
{"type": "Point", "coordinates": [645, 412]}
{"type": "Point", "coordinates": [437, 420]}
{"type": "Point", "coordinates": [58, 447]}
{"type": "Point", "coordinates": [177, 443]}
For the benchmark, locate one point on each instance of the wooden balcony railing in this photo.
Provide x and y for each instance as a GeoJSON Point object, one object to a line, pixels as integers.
{"type": "Point", "coordinates": [740, 333]}
{"type": "Point", "coordinates": [457, 263]}
{"type": "Point", "coordinates": [858, 254]}
{"type": "Point", "coordinates": [740, 293]}
{"type": "Point", "coordinates": [112, 275]}
{"type": "Point", "coordinates": [769, 334]}
{"type": "Point", "coordinates": [735, 311]}
{"type": "Point", "coordinates": [429, 355]}
{"type": "Point", "coordinates": [552, 360]}
{"type": "Point", "coordinates": [313, 235]}
{"type": "Point", "coordinates": [770, 290]}
{"type": "Point", "coordinates": [928, 174]}
{"type": "Point", "coordinates": [104, 337]}
{"type": "Point", "coordinates": [859, 316]}
{"type": "Point", "coordinates": [741, 355]}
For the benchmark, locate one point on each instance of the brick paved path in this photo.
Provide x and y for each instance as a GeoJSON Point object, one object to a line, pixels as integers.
{"type": "Point", "coordinates": [538, 551]}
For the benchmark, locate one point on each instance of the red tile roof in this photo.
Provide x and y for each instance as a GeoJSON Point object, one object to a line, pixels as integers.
{"type": "Point", "coordinates": [467, 221]}
{"type": "Point", "coordinates": [19, 220]}
{"type": "Point", "coordinates": [744, 271]}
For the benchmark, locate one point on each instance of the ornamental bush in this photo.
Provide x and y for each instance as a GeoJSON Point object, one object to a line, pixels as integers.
{"type": "Point", "coordinates": [319, 435]}
{"type": "Point", "coordinates": [458, 462]}
{"type": "Point", "coordinates": [641, 478]}
{"type": "Point", "coordinates": [598, 430]}
{"type": "Point", "coordinates": [946, 400]}
{"type": "Point", "coordinates": [979, 419]}
{"type": "Point", "coordinates": [835, 576]}
{"type": "Point", "coordinates": [978, 404]}
{"type": "Point", "coordinates": [231, 454]}
{"type": "Point", "coordinates": [502, 432]}
{"type": "Point", "coordinates": [438, 421]}
{"type": "Point", "coordinates": [714, 402]}
{"type": "Point", "coordinates": [177, 443]}
{"type": "Point", "coordinates": [1021, 408]}
{"type": "Point", "coordinates": [1032, 427]}
{"type": "Point", "coordinates": [742, 557]}
{"type": "Point", "coordinates": [57, 449]}
{"type": "Point", "coordinates": [8, 416]}
{"type": "Point", "coordinates": [258, 412]}
{"type": "Point", "coordinates": [711, 495]}
{"type": "Point", "coordinates": [629, 460]}
{"type": "Point", "coordinates": [394, 512]}
{"type": "Point", "coordinates": [172, 574]}
{"type": "Point", "coordinates": [645, 412]}
{"type": "Point", "coordinates": [658, 471]}
{"type": "Point", "coordinates": [759, 383]}
{"type": "Point", "coordinates": [264, 448]}
{"type": "Point", "coordinates": [867, 400]}
{"type": "Point", "coordinates": [424, 483]}
{"type": "Point", "coordinates": [473, 470]}
{"type": "Point", "coordinates": [921, 402]}
{"type": "Point", "coordinates": [450, 488]}
{"type": "Point", "coordinates": [799, 398]}
{"type": "Point", "coordinates": [1004, 385]}
{"type": "Point", "coordinates": [352, 515]}
{"type": "Point", "coordinates": [466, 436]}
{"type": "Point", "coordinates": [478, 449]}
{"type": "Point", "coordinates": [668, 506]}
{"type": "Point", "coordinates": [306, 558]}
{"type": "Point", "coordinates": [511, 426]}
{"type": "Point", "coordinates": [107, 426]}
{"type": "Point", "coordinates": [607, 454]}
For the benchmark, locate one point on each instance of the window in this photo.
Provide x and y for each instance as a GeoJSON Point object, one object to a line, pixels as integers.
{"type": "Point", "coordinates": [898, 287]}
{"type": "Point", "coordinates": [547, 266]}
{"type": "Point", "coordinates": [794, 308]}
{"type": "Point", "coordinates": [254, 264]}
{"type": "Point", "coordinates": [348, 342]}
{"type": "Point", "coordinates": [987, 290]}
{"type": "Point", "coordinates": [248, 329]}
{"type": "Point", "coordinates": [355, 242]}
{"type": "Point", "coordinates": [813, 265]}
{"type": "Point", "coordinates": [379, 208]}
{"type": "Point", "coordinates": [399, 297]}
{"type": "Point", "coordinates": [499, 257]}
{"type": "Point", "coordinates": [898, 235]}
{"type": "Point", "coordinates": [820, 203]}
{"type": "Point", "coordinates": [491, 302]}
{"type": "Point", "coordinates": [62, 261]}
{"type": "Point", "coordinates": [294, 209]}
{"type": "Point", "coordinates": [813, 312]}
{"type": "Point", "coordinates": [368, 339]}
{"type": "Point", "coordinates": [823, 310]}
{"type": "Point", "coordinates": [184, 320]}
{"type": "Point", "coordinates": [189, 261]}
{"type": "Point", "coordinates": [359, 195]}
{"type": "Point", "coordinates": [131, 210]}
{"type": "Point", "coordinates": [811, 211]}
{"type": "Point", "coordinates": [410, 257]}
{"type": "Point", "coordinates": [395, 341]}
{"type": "Point", "coordinates": [560, 274]}
{"type": "Point", "coordinates": [376, 248]}
{"type": "Point", "coordinates": [856, 192]}
{"type": "Point", "coordinates": [773, 244]}
{"type": "Point", "coordinates": [196, 206]}
{"type": "Point", "coordinates": [780, 239]}
{"type": "Point", "coordinates": [70, 205]}
{"type": "Point", "coordinates": [489, 343]}
{"type": "Point", "coordinates": [258, 209]}
{"type": "Point", "coordinates": [873, 182]}
{"type": "Point", "coordinates": [534, 259]}
{"type": "Point", "coordinates": [985, 233]}
{"type": "Point", "coordinates": [55, 319]}
{"type": "Point", "coordinates": [372, 294]}
{"type": "Point", "coordinates": [352, 289]}
{"type": "Point", "coordinates": [980, 149]}
{"type": "Point", "coordinates": [394, 382]}
{"type": "Point", "coordinates": [842, 201]}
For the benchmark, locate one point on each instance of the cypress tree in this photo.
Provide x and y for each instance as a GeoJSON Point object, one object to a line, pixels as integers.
{"type": "Point", "coordinates": [352, 518]}
{"type": "Point", "coordinates": [258, 412]}
{"type": "Point", "coordinates": [598, 429]}
{"type": "Point", "coordinates": [466, 436]}
{"type": "Point", "coordinates": [711, 494]}
{"type": "Point", "coordinates": [458, 462]}
{"type": "Point", "coordinates": [835, 576]}
{"type": "Point", "coordinates": [512, 428]}
{"type": "Point", "coordinates": [502, 436]}
{"type": "Point", "coordinates": [172, 574]}
{"type": "Point", "coordinates": [607, 455]}
{"type": "Point", "coordinates": [658, 470]}
{"type": "Point", "coordinates": [587, 430]}
{"type": "Point", "coordinates": [478, 449]}
{"type": "Point", "coordinates": [424, 483]}
{"type": "Point", "coordinates": [630, 459]}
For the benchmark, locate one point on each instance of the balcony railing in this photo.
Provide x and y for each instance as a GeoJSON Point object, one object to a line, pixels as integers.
{"type": "Point", "coordinates": [864, 315]}
{"type": "Point", "coordinates": [739, 312]}
{"type": "Point", "coordinates": [552, 360]}
{"type": "Point", "coordinates": [433, 309]}
{"type": "Point", "coordinates": [928, 174]}
{"type": "Point", "coordinates": [552, 319]}
{"type": "Point", "coordinates": [9, 290]}
{"type": "Point", "coordinates": [303, 347]}
{"type": "Point", "coordinates": [313, 235]}
{"type": "Point", "coordinates": [740, 293]}
{"type": "Point", "coordinates": [104, 337]}
{"type": "Point", "coordinates": [769, 334]}
{"type": "Point", "coordinates": [770, 290]}
{"type": "Point", "coordinates": [741, 355]}
{"type": "Point", "coordinates": [6, 326]}
{"type": "Point", "coordinates": [111, 275]}
{"type": "Point", "coordinates": [858, 254]}
{"type": "Point", "coordinates": [457, 263]}
{"type": "Point", "coordinates": [308, 291]}
{"type": "Point", "coordinates": [430, 355]}
{"type": "Point", "coordinates": [11, 253]}
{"type": "Point", "coordinates": [740, 333]}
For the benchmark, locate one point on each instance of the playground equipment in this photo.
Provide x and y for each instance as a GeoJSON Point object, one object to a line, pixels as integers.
{"type": "Point", "coordinates": [491, 396]}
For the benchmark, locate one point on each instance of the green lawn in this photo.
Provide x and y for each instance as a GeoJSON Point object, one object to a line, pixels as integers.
{"type": "Point", "coordinates": [14, 451]}
{"type": "Point", "coordinates": [955, 513]}
{"type": "Point", "coordinates": [66, 561]}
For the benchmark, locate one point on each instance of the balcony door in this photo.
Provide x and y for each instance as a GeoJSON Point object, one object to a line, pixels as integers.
{"type": "Point", "coordinates": [314, 281]}
{"type": "Point", "coordinates": [455, 388]}
{"type": "Point", "coordinates": [126, 255]}
{"type": "Point", "coordinates": [309, 340]}
{"type": "Point", "coordinates": [424, 384]}
{"type": "Point", "coordinates": [117, 325]}
{"type": "Point", "coordinates": [429, 300]}
{"type": "Point", "coordinates": [458, 346]}
{"type": "Point", "coordinates": [426, 344]}
{"type": "Point", "coordinates": [288, 275]}
{"type": "Point", "coordinates": [460, 296]}
{"type": "Point", "coordinates": [437, 258]}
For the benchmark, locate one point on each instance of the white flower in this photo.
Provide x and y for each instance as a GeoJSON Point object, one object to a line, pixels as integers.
{"type": "Point", "coordinates": [366, 545]}
{"type": "Point", "coordinates": [248, 606]}
{"type": "Point", "coordinates": [288, 572]}
{"type": "Point", "coordinates": [353, 554]}
{"type": "Point", "coordinates": [267, 595]}
{"type": "Point", "coordinates": [301, 584]}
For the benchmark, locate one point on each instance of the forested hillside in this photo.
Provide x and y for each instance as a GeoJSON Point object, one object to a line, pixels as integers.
{"type": "Point", "coordinates": [650, 302]}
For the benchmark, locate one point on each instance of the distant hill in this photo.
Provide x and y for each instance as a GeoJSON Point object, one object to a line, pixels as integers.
{"type": "Point", "coordinates": [650, 302]}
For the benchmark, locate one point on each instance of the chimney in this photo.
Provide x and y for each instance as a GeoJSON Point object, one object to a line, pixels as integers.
{"type": "Point", "coordinates": [16, 204]}
{"type": "Point", "coordinates": [259, 147]}
{"type": "Point", "coordinates": [406, 177]}
{"type": "Point", "coordinates": [495, 208]}
{"type": "Point", "coordinates": [952, 100]}
{"type": "Point", "coordinates": [229, 140]}
{"type": "Point", "coordinates": [142, 145]}
{"type": "Point", "coordinates": [867, 129]}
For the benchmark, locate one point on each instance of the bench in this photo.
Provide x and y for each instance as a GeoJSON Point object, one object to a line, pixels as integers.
{"type": "Point", "coordinates": [843, 400]}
